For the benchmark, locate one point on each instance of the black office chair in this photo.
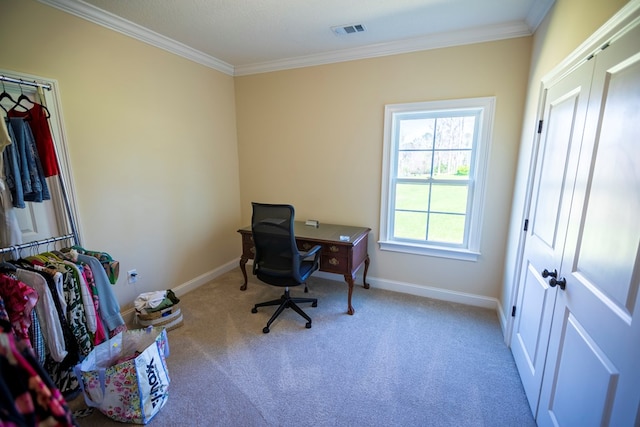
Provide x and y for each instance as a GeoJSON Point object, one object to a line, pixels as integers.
{"type": "Point", "coordinates": [277, 260]}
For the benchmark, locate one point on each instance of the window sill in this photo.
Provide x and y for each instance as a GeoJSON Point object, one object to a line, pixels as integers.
{"type": "Point", "coordinates": [450, 253]}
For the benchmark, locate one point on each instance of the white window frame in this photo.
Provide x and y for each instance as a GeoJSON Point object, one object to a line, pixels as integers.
{"type": "Point", "coordinates": [470, 250]}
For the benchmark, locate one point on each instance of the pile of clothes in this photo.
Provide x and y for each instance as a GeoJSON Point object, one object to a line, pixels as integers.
{"type": "Point", "coordinates": [159, 309]}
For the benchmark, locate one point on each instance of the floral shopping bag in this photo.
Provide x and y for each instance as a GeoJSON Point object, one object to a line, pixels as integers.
{"type": "Point", "coordinates": [126, 377]}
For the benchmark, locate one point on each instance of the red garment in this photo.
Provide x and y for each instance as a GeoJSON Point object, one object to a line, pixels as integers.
{"type": "Point", "coordinates": [37, 119]}
{"type": "Point", "coordinates": [19, 300]}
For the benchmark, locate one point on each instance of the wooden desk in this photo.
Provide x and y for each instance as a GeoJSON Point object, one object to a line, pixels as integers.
{"type": "Point", "coordinates": [337, 256]}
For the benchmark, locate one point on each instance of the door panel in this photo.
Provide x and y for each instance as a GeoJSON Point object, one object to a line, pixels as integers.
{"type": "Point", "coordinates": [37, 220]}
{"type": "Point", "coordinates": [581, 354]}
{"type": "Point", "coordinates": [613, 197]}
{"type": "Point", "coordinates": [593, 362]}
{"type": "Point", "coordinates": [553, 166]}
{"type": "Point", "coordinates": [535, 292]}
{"type": "Point", "coordinates": [564, 119]}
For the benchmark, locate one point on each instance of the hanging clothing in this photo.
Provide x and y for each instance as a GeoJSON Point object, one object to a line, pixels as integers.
{"type": "Point", "coordinates": [28, 397]}
{"type": "Point", "coordinates": [100, 333]}
{"type": "Point", "coordinates": [91, 296]}
{"type": "Point", "coordinates": [10, 234]}
{"type": "Point", "coordinates": [47, 313]}
{"type": "Point", "coordinates": [37, 339]}
{"type": "Point", "coordinates": [75, 312]}
{"type": "Point", "coordinates": [12, 171]}
{"type": "Point", "coordinates": [22, 166]}
{"type": "Point", "coordinates": [39, 125]}
{"type": "Point", "coordinates": [19, 300]}
{"type": "Point", "coordinates": [111, 266]}
{"type": "Point", "coordinates": [4, 135]}
{"type": "Point", "coordinates": [109, 306]}
{"type": "Point", "coordinates": [61, 373]}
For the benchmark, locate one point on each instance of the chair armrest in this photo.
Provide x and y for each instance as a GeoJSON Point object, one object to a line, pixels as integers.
{"type": "Point", "coordinates": [313, 251]}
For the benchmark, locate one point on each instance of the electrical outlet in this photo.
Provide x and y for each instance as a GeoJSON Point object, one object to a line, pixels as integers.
{"type": "Point", "coordinates": [132, 276]}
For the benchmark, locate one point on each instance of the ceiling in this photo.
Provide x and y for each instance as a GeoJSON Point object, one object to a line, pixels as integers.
{"type": "Point", "coordinates": [251, 36]}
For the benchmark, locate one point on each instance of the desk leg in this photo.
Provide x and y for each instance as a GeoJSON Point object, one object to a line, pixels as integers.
{"type": "Point", "coordinates": [366, 268]}
{"type": "Point", "coordinates": [243, 263]}
{"type": "Point", "coordinates": [349, 279]}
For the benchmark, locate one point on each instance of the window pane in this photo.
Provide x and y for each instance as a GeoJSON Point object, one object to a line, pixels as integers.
{"type": "Point", "coordinates": [414, 164]}
{"type": "Point", "coordinates": [410, 225]}
{"type": "Point", "coordinates": [449, 198]}
{"type": "Point", "coordinates": [415, 133]}
{"type": "Point", "coordinates": [446, 228]}
{"type": "Point", "coordinates": [452, 164]}
{"type": "Point", "coordinates": [413, 197]}
{"type": "Point", "coordinates": [435, 156]}
{"type": "Point", "coordinates": [455, 132]}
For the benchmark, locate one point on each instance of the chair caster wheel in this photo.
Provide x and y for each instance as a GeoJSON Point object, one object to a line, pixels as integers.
{"type": "Point", "coordinates": [254, 310]}
{"type": "Point", "coordinates": [315, 304]}
{"type": "Point", "coordinates": [308, 325]}
{"type": "Point", "coordinates": [265, 330]}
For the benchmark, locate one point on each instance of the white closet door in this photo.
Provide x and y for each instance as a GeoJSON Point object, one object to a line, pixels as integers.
{"type": "Point", "coordinates": [592, 374]}
{"type": "Point", "coordinates": [564, 118]}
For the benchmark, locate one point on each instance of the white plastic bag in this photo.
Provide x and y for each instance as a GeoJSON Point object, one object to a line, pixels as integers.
{"type": "Point", "coordinates": [126, 377]}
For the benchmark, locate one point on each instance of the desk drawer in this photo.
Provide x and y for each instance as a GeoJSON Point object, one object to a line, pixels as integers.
{"type": "Point", "coordinates": [304, 245]}
{"type": "Point", "coordinates": [329, 249]}
{"type": "Point", "coordinates": [334, 263]}
{"type": "Point", "coordinates": [335, 250]}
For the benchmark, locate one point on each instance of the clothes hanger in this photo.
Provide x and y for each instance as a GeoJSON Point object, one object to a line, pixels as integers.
{"type": "Point", "coordinates": [5, 95]}
{"type": "Point", "coordinates": [24, 97]}
{"type": "Point", "coordinates": [42, 102]}
{"type": "Point", "coordinates": [17, 104]}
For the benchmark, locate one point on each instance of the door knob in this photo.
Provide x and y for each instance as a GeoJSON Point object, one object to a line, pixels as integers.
{"type": "Point", "coordinates": [546, 273]}
{"type": "Point", "coordinates": [562, 282]}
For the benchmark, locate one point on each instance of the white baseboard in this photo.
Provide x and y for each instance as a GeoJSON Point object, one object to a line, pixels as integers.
{"type": "Point", "coordinates": [129, 314]}
{"type": "Point", "coordinates": [422, 290]}
{"type": "Point", "coordinates": [390, 285]}
{"type": "Point", "coordinates": [204, 278]}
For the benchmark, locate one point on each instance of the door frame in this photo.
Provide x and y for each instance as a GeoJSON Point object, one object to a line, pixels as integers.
{"type": "Point", "coordinates": [56, 123]}
{"type": "Point", "coordinates": [616, 25]}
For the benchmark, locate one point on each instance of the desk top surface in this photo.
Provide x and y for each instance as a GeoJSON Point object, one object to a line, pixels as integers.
{"type": "Point", "coordinates": [325, 232]}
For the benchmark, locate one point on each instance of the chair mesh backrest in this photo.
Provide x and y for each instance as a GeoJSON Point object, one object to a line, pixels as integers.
{"type": "Point", "coordinates": [274, 239]}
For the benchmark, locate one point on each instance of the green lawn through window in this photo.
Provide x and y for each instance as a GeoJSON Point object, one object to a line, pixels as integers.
{"type": "Point", "coordinates": [447, 218]}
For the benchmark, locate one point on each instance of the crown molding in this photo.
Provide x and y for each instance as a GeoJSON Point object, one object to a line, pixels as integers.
{"type": "Point", "coordinates": [434, 41]}
{"type": "Point", "coordinates": [128, 28]}
{"type": "Point", "coordinates": [108, 20]}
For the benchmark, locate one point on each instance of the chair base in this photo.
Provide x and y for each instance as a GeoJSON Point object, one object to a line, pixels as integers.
{"type": "Point", "coordinates": [286, 301]}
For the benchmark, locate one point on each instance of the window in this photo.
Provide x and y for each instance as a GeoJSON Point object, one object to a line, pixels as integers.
{"type": "Point", "coordinates": [434, 169]}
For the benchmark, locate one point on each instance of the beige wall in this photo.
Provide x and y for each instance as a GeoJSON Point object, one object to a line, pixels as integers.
{"type": "Point", "coordinates": [163, 179]}
{"type": "Point", "coordinates": [152, 142]}
{"type": "Point", "coordinates": [313, 137]}
{"type": "Point", "coordinates": [566, 27]}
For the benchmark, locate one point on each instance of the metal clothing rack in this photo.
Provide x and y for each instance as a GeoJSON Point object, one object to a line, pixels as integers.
{"type": "Point", "coordinates": [74, 236]}
{"type": "Point", "coordinates": [34, 83]}
{"type": "Point", "coordinates": [18, 248]}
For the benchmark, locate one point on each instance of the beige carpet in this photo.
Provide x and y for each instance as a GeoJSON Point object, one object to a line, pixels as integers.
{"type": "Point", "coordinates": [400, 360]}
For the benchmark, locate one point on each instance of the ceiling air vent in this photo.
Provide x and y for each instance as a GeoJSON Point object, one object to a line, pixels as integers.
{"type": "Point", "coordinates": [348, 29]}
